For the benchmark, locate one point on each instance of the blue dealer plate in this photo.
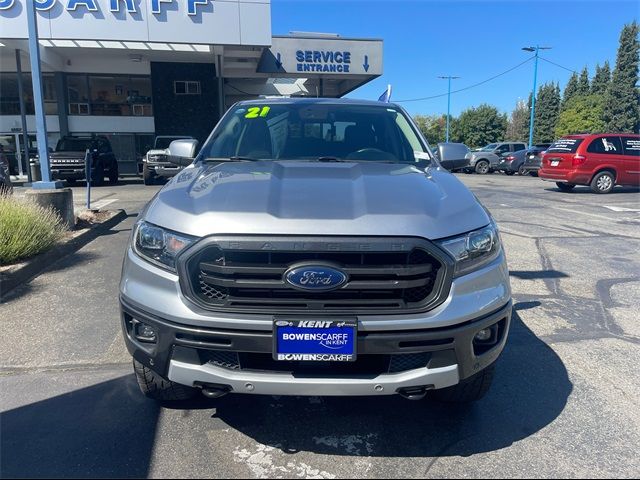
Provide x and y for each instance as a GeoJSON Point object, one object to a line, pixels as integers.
{"type": "Point", "coordinates": [315, 340]}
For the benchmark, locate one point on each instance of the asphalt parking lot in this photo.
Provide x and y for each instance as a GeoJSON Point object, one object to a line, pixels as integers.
{"type": "Point", "coordinates": [565, 401]}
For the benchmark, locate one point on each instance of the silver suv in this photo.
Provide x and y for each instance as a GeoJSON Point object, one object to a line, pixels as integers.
{"type": "Point", "coordinates": [314, 247]}
{"type": "Point", "coordinates": [488, 158]}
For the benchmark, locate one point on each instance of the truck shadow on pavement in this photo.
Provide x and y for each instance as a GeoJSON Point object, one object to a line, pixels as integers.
{"type": "Point", "coordinates": [530, 391]}
{"type": "Point", "coordinates": [106, 430]}
{"type": "Point", "coordinates": [109, 429]}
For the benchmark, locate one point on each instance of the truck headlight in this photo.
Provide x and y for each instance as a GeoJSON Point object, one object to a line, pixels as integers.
{"type": "Point", "coordinates": [473, 250]}
{"type": "Point", "coordinates": [159, 246]}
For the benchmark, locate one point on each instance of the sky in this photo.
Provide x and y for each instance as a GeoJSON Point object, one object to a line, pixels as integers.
{"type": "Point", "coordinates": [474, 40]}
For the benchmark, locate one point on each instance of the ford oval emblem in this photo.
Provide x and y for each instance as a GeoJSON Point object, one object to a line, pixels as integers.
{"type": "Point", "coordinates": [317, 278]}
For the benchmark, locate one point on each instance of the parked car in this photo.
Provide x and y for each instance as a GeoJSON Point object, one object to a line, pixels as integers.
{"type": "Point", "coordinates": [533, 159]}
{"type": "Point", "coordinates": [283, 262]}
{"type": "Point", "coordinates": [511, 162]}
{"type": "Point", "coordinates": [452, 156]}
{"type": "Point", "coordinates": [68, 159]}
{"type": "Point", "coordinates": [155, 163]}
{"type": "Point", "coordinates": [487, 159]}
{"type": "Point", "coordinates": [600, 161]}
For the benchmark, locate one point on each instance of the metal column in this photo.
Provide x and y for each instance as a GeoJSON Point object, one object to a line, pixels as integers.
{"type": "Point", "coordinates": [23, 118]}
{"type": "Point", "coordinates": [36, 78]}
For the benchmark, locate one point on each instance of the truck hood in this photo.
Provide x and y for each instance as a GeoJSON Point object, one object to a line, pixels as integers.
{"type": "Point", "coordinates": [69, 154]}
{"type": "Point", "coordinates": [310, 198]}
{"type": "Point", "coordinates": [158, 151]}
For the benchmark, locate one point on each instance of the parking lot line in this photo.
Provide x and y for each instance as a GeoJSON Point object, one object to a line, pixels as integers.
{"type": "Point", "coordinates": [595, 215]}
{"type": "Point", "coordinates": [103, 203]}
{"type": "Point", "coordinates": [621, 209]}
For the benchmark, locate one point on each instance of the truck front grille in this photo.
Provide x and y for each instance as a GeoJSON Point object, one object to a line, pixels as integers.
{"type": "Point", "coordinates": [386, 275]}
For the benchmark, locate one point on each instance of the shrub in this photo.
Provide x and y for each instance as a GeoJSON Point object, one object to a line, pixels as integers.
{"type": "Point", "coordinates": [26, 229]}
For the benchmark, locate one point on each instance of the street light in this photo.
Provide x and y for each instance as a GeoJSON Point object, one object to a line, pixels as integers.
{"type": "Point", "coordinates": [449, 78]}
{"type": "Point", "coordinates": [535, 49]}
{"type": "Point", "coordinates": [36, 80]}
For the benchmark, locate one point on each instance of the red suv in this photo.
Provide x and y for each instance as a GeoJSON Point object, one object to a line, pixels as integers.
{"type": "Point", "coordinates": [599, 160]}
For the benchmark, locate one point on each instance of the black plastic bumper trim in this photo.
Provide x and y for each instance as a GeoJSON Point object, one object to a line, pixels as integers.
{"type": "Point", "coordinates": [458, 339]}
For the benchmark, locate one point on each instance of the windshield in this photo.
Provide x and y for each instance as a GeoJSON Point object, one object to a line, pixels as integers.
{"type": "Point", "coordinates": [304, 131]}
{"type": "Point", "coordinates": [488, 148]}
{"type": "Point", "coordinates": [74, 144]}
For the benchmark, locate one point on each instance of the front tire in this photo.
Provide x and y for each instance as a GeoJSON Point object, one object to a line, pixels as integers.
{"type": "Point", "coordinates": [522, 172]}
{"type": "Point", "coordinates": [565, 187]}
{"type": "Point", "coordinates": [603, 182]}
{"type": "Point", "coordinates": [468, 390]}
{"type": "Point", "coordinates": [114, 174]}
{"type": "Point", "coordinates": [482, 167]}
{"type": "Point", "coordinates": [97, 176]}
{"type": "Point", "coordinates": [157, 388]}
{"type": "Point", "coordinates": [147, 176]}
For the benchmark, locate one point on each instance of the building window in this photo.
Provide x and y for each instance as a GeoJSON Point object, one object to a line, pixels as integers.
{"type": "Point", "coordinates": [109, 95]}
{"type": "Point", "coordinates": [78, 94]}
{"type": "Point", "coordinates": [9, 98]}
{"type": "Point", "coordinates": [184, 87]}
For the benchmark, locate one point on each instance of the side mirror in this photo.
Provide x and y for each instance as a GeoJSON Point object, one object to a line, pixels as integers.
{"type": "Point", "coordinates": [182, 152]}
{"type": "Point", "coordinates": [452, 156]}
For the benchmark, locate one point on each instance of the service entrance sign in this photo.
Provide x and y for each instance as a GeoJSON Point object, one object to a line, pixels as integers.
{"type": "Point", "coordinates": [329, 56]}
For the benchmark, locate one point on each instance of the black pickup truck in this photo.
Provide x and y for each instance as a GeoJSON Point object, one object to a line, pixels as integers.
{"type": "Point", "coordinates": [67, 161]}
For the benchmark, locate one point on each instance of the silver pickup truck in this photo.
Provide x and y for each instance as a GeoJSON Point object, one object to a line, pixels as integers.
{"type": "Point", "coordinates": [488, 158]}
{"type": "Point", "coordinates": [314, 247]}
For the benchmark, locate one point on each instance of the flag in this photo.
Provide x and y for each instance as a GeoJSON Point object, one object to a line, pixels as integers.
{"type": "Point", "coordinates": [386, 96]}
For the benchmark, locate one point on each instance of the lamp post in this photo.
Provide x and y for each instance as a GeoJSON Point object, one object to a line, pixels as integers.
{"type": "Point", "coordinates": [36, 80]}
{"type": "Point", "coordinates": [535, 49]}
{"type": "Point", "coordinates": [448, 78]}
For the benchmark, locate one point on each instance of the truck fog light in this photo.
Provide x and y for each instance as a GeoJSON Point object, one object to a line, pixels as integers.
{"type": "Point", "coordinates": [145, 333]}
{"type": "Point", "coordinates": [483, 335]}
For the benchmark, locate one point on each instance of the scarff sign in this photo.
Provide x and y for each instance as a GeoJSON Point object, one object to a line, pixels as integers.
{"type": "Point", "coordinates": [221, 22]}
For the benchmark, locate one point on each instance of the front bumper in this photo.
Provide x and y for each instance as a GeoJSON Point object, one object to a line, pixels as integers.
{"type": "Point", "coordinates": [182, 355]}
{"type": "Point", "coordinates": [187, 336]}
{"type": "Point", "coordinates": [164, 169]}
{"type": "Point", "coordinates": [67, 173]}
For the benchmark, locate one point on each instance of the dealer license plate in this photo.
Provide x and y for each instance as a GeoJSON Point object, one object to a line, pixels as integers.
{"type": "Point", "coordinates": [315, 340]}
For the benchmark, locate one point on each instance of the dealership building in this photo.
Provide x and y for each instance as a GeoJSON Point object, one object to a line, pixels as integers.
{"type": "Point", "coordinates": [133, 69]}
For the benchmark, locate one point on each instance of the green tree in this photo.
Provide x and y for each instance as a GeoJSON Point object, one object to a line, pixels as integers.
{"type": "Point", "coordinates": [622, 99]}
{"type": "Point", "coordinates": [583, 114]}
{"type": "Point", "coordinates": [546, 114]}
{"type": "Point", "coordinates": [601, 79]}
{"type": "Point", "coordinates": [571, 89]}
{"type": "Point", "coordinates": [433, 127]}
{"type": "Point", "coordinates": [478, 126]}
{"type": "Point", "coordinates": [583, 83]}
{"type": "Point", "coordinates": [518, 126]}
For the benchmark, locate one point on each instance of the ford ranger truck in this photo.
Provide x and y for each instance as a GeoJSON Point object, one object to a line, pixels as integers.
{"type": "Point", "coordinates": [314, 247]}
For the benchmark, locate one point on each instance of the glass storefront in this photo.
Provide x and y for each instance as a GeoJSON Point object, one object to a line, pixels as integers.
{"type": "Point", "coordinates": [10, 99]}
{"type": "Point", "coordinates": [110, 95]}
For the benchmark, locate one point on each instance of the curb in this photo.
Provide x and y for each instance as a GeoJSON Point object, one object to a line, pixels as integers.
{"type": "Point", "coordinates": [34, 266]}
